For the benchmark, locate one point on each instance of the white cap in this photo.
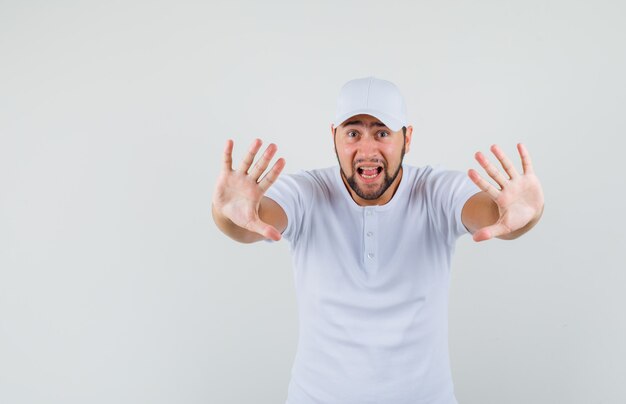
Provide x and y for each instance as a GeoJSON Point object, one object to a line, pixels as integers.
{"type": "Point", "coordinates": [378, 98]}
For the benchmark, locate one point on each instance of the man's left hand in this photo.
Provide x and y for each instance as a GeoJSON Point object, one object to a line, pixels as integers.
{"type": "Point", "coordinates": [519, 198]}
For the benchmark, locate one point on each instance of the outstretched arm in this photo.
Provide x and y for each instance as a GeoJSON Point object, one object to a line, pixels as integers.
{"type": "Point", "coordinates": [240, 209]}
{"type": "Point", "coordinates": [512, 209]}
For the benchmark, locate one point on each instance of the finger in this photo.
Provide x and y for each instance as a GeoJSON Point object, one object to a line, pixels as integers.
{"type": "Point", "coordinates": [482, 184]}
{"type": "Point", "coordinates": [249, 158]}
{"type": "Point", "coordinates": [272, 175]}
{"type": "Point", "coordinates": [527, 164]}
{"type": "Point", "coordinates": [504, 160]}
{"type": "Point", "coordinates": [266, 230]}
{"type": "Point", "coordinates": [228, 156]}
{"type": "Point", "coordinates": [491, 169]}
{"type": "Point", "coordinates": [489, 232]}
{"type": "Point", "coordinates": [263, 162]}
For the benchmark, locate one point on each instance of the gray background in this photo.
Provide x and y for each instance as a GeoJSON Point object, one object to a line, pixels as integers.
{"type": "Point", "coordinates": [115, 285]}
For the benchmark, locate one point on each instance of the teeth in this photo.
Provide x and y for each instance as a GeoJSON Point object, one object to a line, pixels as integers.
{"type": "Point", "coordinates": [375, 169]}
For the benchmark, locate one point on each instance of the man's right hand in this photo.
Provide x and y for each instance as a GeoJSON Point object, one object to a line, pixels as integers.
{"type": "Point", "coordinates": [239, 193]}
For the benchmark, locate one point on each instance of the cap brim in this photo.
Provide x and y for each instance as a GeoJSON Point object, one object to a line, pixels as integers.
{"type": "Point", "coordinates": [389, 121]}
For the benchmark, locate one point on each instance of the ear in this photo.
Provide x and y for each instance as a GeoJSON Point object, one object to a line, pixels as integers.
{"type": "Point", "coordinates": [332, 130]}
{"type": "Point", "coordinates": [407, 141]}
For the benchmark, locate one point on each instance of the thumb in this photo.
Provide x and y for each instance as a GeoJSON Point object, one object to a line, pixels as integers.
{"type": "Point", "coordinates": [489, 232]}
{"type": "Point", "coordinates": [266, 230]}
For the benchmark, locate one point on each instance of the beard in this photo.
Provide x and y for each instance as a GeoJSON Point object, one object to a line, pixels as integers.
{"type": "Point", "coordinates": [372, 194]}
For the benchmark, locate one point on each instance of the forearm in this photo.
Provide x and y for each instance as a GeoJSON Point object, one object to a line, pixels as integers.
{"type": "Point", "coordinates": [233, 231]}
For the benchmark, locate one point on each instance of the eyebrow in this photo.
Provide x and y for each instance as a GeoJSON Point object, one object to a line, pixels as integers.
{"type": "Point", "coordinates": [359, 122]}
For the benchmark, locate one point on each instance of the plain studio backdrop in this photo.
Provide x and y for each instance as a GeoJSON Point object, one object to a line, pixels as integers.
{"type": "Point", "coordinates": [115, 284]}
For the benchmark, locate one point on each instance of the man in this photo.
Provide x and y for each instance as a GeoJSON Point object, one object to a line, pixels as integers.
{"type": "Point", "coordinates": [372, 241]}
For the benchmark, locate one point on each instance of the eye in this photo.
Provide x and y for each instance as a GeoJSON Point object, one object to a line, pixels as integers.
{"type": "Point", "coordinates": [352, 133]}
{"type": "Point", "coordinates": [383, 134]}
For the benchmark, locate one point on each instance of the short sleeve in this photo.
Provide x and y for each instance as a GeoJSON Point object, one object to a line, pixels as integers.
{"type": "Point", "coordinates": [293, 192]}
{"type": "Point", "coordinates": [448, 191]}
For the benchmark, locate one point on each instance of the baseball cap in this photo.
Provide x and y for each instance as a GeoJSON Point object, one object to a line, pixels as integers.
{"type": "Point", "coordinates": [371, 96]}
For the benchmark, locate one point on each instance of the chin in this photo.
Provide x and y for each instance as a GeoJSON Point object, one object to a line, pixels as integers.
{"type": "Point", "coordinates": [368, 191]}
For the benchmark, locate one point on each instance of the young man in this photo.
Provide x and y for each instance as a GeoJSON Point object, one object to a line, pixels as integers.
{"type": "Point", "coordinates": [372, 241]}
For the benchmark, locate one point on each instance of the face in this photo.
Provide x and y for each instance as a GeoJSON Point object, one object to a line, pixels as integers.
{"type": "Point", "coordinates": [370, 157]}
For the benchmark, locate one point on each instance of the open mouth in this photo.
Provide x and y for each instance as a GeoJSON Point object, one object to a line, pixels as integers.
{"type": "Point", "coordinates": [369, 172]}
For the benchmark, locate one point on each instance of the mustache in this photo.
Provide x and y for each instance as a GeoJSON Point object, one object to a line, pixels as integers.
{"type": "Point", "coordinates": [381, 162]}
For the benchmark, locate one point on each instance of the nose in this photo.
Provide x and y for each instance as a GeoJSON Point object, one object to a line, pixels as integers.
{"type": "Point", "coordinates": [368, 148]}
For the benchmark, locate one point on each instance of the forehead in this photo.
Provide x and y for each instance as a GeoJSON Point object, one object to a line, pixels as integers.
{"type": "Point", "coordinates": [363, 120]}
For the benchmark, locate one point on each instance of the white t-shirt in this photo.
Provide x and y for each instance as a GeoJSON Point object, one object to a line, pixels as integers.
{"type": "Point", "coordinates": [372, 286]}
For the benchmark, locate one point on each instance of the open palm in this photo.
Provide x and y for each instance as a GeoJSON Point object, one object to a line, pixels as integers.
{"type": "Point", "coordinates": [238, 193]}
{"type": "Point", "coordinates": [519, 197]}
